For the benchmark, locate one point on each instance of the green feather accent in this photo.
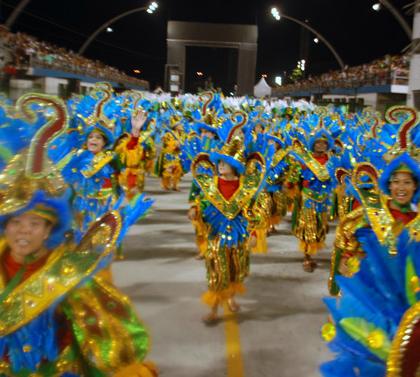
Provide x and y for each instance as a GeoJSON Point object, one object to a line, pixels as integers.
{"type": "Point", "coordinates": [5, 153]}
{"type": "Point", "coordinates": [410, 277]}
{"type": "Point", "coordinates": [373, 338]}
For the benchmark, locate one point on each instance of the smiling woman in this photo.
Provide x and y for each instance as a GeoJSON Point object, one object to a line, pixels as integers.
{"type": "Point", "coordinates": [402, 187]}
{"type": "Point", "coordinates": [25, 234]}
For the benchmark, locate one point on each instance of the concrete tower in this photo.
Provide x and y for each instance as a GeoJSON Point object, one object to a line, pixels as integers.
{"type": "Point", "coordinates": [413, 98]}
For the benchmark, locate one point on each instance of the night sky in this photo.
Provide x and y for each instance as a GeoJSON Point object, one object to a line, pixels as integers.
{"type": "Point", "coordinates": [139, 41]}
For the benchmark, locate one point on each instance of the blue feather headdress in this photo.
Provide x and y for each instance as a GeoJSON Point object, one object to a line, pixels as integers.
{"type": "Point", "coordinates": [30, 182]}
{"type": "Point", "coordinates": [374, 318]}
{"type": "Point", "coordinates": [321, 134]}
{"type": "Point", "coordinates": [232, 151]}
{"type": "Point", "coordinates": [404, 154]}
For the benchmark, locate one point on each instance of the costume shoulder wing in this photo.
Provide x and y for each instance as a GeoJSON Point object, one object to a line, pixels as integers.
{"type": "Point", "coordinates": [98, 163]}
{"type": "Point", "coordinates": [254, 174]}
{"type": "Point", "coordinates": [67, 267]}
{"type": "Point", "coordinates": [204, 172]}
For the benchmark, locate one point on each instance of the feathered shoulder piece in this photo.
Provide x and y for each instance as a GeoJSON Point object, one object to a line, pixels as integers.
{"type": "Point", "coordinates": [375, 327]}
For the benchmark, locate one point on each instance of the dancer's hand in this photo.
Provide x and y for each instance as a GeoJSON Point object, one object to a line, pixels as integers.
{"type": "Point", "coordinates": [138, 119]}
{"type": "Point", "coordinates": [252, 241]}
{"type": "Point", "coordinates": [192, 213]}
{"type": "Point", "coordinates": [348, 266]}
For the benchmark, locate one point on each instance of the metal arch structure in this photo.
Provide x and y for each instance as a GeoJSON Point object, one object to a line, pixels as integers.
{"type": "Point", "coordinates": [106, 24]}
{"type": "Point", "coordinates": [16, 12]}
{"type": "Point", "coordinates": [319, 36]}
{"type": "Point", "coordinates": [403, 23]}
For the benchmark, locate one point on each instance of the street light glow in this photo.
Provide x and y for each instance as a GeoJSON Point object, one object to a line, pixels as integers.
{"type": "Point", "coordinates": [152, 7]}
{"type": "Point", "coordinates": [278, 80]}
{"type": "Point", "coordinates": [200, 73]}
{"type": "Point", "coordinates": [301, 64]}
{"type": "Point", "coordinates": [376, 7]}
{"type": "Point", "coordinates": [109, 29]}
{"type": "Point", "coordinates": [136, 71]}
{"type": "Point", "coordinates": [316, 40]}
{"type": "Point", "coordinates": [275, 13]}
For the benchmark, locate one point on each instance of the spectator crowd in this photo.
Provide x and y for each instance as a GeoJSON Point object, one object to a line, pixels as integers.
{"type": "Point", "coordinates": [21, 51]}
{"type": "Point", "coordinates": [391, 69]}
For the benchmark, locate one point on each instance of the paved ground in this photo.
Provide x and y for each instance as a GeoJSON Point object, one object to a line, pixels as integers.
{"type": "Point", "coordinates": [277, 332]}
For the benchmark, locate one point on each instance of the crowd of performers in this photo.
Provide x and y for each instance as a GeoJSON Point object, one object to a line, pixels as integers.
{"type": "Point", "coordinates": [72, 182]}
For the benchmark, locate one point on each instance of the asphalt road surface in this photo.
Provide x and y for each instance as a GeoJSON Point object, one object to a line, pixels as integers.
{"type": "Point", "coordinates": [275, 334]}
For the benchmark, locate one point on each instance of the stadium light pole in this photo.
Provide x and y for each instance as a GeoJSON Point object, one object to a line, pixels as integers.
{"type": "Point", "coordinates": [149, 9]}
{"type": "Point", "coordinates": [403, 23]}
{"type": "Point", "coordinates": [413, 98]}
{"type": "Point", "coordinates": [276, 14]}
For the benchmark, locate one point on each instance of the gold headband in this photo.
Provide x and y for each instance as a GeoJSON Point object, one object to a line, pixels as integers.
{"type": "Point", "coordinates": [44, 212]}
{"type": "Point", "coordinates": [403, 169]}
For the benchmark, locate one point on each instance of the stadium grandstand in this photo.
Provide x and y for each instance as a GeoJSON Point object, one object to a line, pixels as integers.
{"type": "Point", "coordinates": [378, 84]}
{"type": "Point", "coordinates": [28, 64]}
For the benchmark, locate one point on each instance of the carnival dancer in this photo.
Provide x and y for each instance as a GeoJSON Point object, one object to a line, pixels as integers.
{"type": "Point", "coordinates": [148, 134]}
{"type": "Point", "coordinates": [310, 210]}
{"type": "Point", "coordinates": [168, 165]}
{"type": "Point", "coordinates": [57, 317]}
{"type": "Point", "coordinates": [92, 171]}
{"type": "Point", "coordinates": [134, 150]}
{"type": "Point", "coordinates": [256, 133]}
{"type": "Point", "coordinates": [275, 181]}
{"type": "Point", "coordinates": [374, 327]}
{"type": "Point", "coordinates": [204, 139]}
{"type": "Point", "coordinates": [227, 196]}
{"type": "Point", "coordinates": [395, 206]}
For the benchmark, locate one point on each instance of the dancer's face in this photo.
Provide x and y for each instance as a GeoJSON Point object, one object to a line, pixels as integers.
{"type": "Point", "coordinates": [95, 142]}
{"type": "Point", "coordinates": [320, 146]}
{"type": "Point", "coordinates": [207, 133]}
{"type": "Point", "coordinates": [402, 187]}
{"type": "Point", "coordinates": [25, 234]}
{"type": "Point", "coordinates": [179, 129]}
{"type": "Point", "coordinates": [259, 129]}
{"type": "Point", "coordinates": [225, 168]}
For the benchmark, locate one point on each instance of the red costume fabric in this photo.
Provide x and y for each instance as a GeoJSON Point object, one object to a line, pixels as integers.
{"type": "Point", "coordinates": [405, 218]}
{"type": "Point", "coordinates": [322, 159]}
{"type": "Point", "coordinates": [132, 144]}
{"type": "Point", "coordinates": [11, 267]}
{"type": "Point", "coordinates": [227, 188]}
